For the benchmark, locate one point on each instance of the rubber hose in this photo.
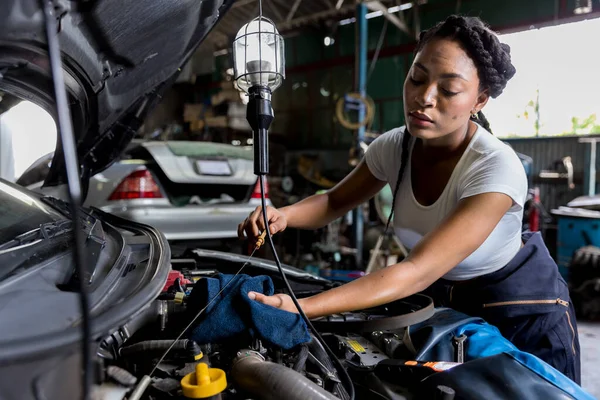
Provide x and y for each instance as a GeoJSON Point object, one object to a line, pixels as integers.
{"type": "Point", "coordinates": [140, 388]}
{"type": "Point", "coordinates": [369, 114]}
{"type": "Point", "coordinates": [320, 354]}
{"type": "Point", "coordinates": [161, 345]}
{"type": "Point", "coordinates": [270, 381]}
{"type": "Point", "coordinates": [302, 357]}
{"type": "Point", "coordinates": [317, 350]}
{"type": "Point", "coordinates": [330, 375]}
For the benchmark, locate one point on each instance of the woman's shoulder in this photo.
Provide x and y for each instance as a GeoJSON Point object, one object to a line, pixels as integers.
{"type": "Point", "coordinates": [383, 154]}
{"type": "Point", "coordinates": [388, 141]}
{"type": "Point", "coordinates": [493, 166]}
{"type": "Point", "coordinates": [395, 134]}
{"type": "Point", "coordinates": [489, 146]}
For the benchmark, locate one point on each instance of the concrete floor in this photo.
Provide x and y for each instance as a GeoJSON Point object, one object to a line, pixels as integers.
{"type": "Point", "coordinates": [589, 339]}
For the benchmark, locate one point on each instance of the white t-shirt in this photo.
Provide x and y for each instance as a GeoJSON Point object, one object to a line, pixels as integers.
{"type": "Point", "coordinates": [487, 165]}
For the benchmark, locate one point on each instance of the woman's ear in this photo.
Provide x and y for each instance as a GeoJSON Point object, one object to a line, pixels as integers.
{"type": "Point", "coordinates": [482, 100]}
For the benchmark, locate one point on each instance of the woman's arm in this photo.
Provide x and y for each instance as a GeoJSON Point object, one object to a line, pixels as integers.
{"type": "Point", "coordinates": [460, 234]}
{"type": "Point", "coordinates": [318, 210]}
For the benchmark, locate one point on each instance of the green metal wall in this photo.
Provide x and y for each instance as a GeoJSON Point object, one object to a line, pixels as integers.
{"type": "Point", "coordinates": [318, 75]}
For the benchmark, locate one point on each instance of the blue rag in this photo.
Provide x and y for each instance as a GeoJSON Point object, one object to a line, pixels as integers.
{"type": "Point", "coordinates": [234, 314]}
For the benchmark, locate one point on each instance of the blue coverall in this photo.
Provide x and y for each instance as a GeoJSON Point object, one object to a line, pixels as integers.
{"type": "Point", "coordinates": [528, 300]}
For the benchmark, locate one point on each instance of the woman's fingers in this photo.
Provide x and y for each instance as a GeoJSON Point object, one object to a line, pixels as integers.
{"type": "Point", "coordinates": [254, 225]}
{"type": "Point", "coordinates": [240, 230]}
{"type": "Point", "coordinates": [276, 224]}
{"type": "Point", "coordinates": [273, 301]}
{"type": "Point", "coordinates": [260, 221]}
{"type": "Point", "coordinates": [251, 228]}
{"type": "Point", "coordinates": [280, 301]}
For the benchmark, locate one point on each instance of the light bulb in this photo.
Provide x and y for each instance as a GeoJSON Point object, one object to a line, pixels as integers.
{"type": "Point", "coordinates": [258, 55]}
{"type": "Point", "coordinates": [260, 67]}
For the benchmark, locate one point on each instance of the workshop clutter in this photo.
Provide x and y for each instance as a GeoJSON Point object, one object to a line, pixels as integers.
{"type": "Point", "coordinates": [200, 116]}
{"type": "Point", "coordinates": [195, 115]}
{"type": "Point", "coordinates": [577, 228]}
{"type": "Point", "coordinates": [227, 93]}
{"type": "Point", "coordinates": [226, 110]}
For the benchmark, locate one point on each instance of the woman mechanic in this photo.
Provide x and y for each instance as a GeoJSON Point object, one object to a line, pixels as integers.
{"type": "Point", "coordinates": [458, 204]}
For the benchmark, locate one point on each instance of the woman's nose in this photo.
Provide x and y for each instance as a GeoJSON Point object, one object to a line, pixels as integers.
{"type": "Point", "coordinates": [426, 97]}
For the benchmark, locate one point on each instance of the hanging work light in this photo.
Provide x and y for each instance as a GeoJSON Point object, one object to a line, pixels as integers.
{"type": "Point", "coordinates": [259, 69]}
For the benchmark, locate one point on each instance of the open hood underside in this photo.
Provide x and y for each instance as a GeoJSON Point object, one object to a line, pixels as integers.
{"type": "Point", "coordinates": [118, 59]}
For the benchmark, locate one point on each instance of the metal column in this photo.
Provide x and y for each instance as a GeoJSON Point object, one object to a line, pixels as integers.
{"type": "Point", "coordinates": [591, 174]}
{"type": "Point", "coordinates": [361, 72]}
{"type": "Point", "coordinates": [592, 188]}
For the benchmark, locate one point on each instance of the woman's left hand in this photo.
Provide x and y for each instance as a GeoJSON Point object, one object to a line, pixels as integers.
{"type": "Point", "coordinates": [280, 301]}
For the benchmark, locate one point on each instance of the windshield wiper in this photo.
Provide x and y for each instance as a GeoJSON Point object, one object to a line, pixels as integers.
{"type": "Point", "coordinates": [59, 205]}
{"type": "Point", "coordinates": [46, 231]}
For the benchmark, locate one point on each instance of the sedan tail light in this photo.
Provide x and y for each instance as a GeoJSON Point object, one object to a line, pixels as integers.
{"type": "Point", "coordinates": [256, 191]}
{"type": "Point", "coordinates": [137, 185]}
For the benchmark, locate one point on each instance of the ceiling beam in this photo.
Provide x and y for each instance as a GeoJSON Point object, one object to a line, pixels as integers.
{"type": "Point", "coordinates": [293, 11]}
{"type": "Point", "coordinates": [275, 11]}
{"type": "Point", "coordinates": [221, 37]}
{"type": "Point", "coordinates": [328, 4]}
{"type": "Point", "coordinates": [345, 8]}
{"type": "Point", "coordinates": [378, 6]}
{"type": "Point", "coordinates": [281, 3]}
{"type": "Point", "coordinates": [242, 3]}
{"type": "Point", "coordinates": [314, 17]}
{"type": "Point", "coordinates": [228, 27]}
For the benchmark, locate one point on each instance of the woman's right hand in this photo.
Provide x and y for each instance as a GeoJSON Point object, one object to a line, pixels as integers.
{"type": "Point", "coordinates": [254, 225]}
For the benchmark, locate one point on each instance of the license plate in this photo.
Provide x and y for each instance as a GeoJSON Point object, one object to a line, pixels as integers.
{"type": "Point", "coordinates": [213, 167]}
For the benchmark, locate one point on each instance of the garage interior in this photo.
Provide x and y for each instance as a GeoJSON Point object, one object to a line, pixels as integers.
{"type": "Point", "coordinates": [344, 68]}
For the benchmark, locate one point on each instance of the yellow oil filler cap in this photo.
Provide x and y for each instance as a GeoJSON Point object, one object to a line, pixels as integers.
{"type": "Point", "coordinates": [204, 383]}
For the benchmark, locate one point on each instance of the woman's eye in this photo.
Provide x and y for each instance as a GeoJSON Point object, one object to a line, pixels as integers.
{"type": "Point", "coordinates": [415, 82]}
{"type": "Point", "coordinates": [448, 92]}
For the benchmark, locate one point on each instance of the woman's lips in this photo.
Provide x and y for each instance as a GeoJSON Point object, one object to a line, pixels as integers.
{"type": "Point", "coordinates": [420, 120]}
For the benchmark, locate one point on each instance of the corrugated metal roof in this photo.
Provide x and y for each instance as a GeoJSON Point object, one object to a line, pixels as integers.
{"type": "Point", "coordinates": [288, 15]}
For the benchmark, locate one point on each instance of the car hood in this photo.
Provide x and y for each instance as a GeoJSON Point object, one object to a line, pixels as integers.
{"type": "Point", "coordinates": [118, 58]}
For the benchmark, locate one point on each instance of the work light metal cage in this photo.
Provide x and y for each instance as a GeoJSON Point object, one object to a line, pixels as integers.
{"type": "Point", "coordinates": [258, 55]}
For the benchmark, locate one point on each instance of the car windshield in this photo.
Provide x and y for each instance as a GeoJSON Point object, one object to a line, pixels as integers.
{"type": "Point", "coordinates": [21, 213]}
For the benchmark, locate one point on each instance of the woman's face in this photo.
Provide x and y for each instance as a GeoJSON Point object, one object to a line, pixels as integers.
{"type": "Point", "coordinates": [441, 90]}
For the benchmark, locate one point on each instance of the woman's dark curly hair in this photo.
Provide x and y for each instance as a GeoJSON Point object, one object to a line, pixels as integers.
{"type": "Point", "coordinates": [491, 58]}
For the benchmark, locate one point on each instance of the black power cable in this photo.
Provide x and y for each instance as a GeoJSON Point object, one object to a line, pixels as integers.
{"type": "Point", "coordinates": [74, 184]}
{"type": "Point", "coordinates": [342, 371]}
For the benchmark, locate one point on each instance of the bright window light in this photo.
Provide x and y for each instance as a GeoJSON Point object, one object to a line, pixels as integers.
{"type": "Point", "coordinates": [559, 61]}
{"type": "Point", "coordinates": [32, 131]}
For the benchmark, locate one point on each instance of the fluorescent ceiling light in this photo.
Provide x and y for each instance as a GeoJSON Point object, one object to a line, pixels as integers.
{"type": "Point", "coordinates": [221, 52]}
{"type": "Point", "coordinates": [374, 14]}
{"type": "Point", "coordinates": [379, 13]}
{"type": "Point", "coordinates": [401, 7]}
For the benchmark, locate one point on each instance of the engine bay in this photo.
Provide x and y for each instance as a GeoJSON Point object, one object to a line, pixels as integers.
{"type": "Point", "coordinates": [371, 345]}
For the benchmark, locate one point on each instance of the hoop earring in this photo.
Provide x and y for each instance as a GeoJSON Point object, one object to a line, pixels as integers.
{"type": "Point", "coordinates": [474, 115]}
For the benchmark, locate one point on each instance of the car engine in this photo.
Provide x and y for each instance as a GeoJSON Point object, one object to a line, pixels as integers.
{"type": "Point", "coordinates": [370, 345]}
